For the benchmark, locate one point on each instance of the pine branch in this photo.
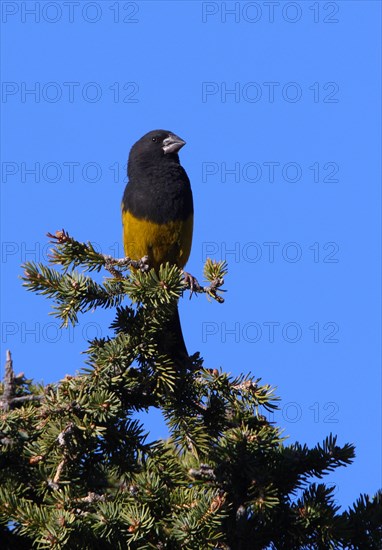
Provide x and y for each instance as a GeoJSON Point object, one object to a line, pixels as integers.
{"type": "Point", "coordinates": [79, 470]}
{"type": "Point", "coordinates": [73, 292]}
{"type": "Point", "coordinates": [70, 253]}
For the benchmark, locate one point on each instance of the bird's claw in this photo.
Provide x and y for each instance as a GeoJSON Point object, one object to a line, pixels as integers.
{"type": "Point", "coordinates": [144, 265]}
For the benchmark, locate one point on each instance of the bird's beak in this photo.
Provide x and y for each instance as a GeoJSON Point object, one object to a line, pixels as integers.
{"type": "Point", "coordinates": [172, 144]}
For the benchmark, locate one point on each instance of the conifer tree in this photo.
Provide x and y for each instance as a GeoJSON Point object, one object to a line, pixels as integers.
{"type": "Point", "coordinates": [79, 471]}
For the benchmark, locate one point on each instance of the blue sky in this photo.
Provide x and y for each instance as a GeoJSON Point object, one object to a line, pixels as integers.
{"type": "Point", "coordinates": [279, 106]}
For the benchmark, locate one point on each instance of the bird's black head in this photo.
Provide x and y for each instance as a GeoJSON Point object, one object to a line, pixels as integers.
{"type": "Point", "coordinates": [156, 144]}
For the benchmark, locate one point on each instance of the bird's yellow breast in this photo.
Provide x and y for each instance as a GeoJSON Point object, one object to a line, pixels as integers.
{"type": "Point", "coordinates": [167, 242]}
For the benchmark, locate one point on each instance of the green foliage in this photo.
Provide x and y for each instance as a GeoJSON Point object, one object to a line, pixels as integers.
{"type": "Point", "coordinates": [78, 470]}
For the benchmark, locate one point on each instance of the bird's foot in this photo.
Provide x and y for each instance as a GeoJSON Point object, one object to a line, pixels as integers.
{"type": "Point", "coordinates": [142, 264]}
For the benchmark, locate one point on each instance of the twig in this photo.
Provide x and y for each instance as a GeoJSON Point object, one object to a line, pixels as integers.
{"type": "Point", "coordinates": [9, 383]}
{"type": "Point", "coordinates": [211, 290]}
{"type": "Point", "coordinates": [60, 467]}
{"type": "Point", "coordinates": [61, 438]}
{"type": "Point", "coordinates": [205, 472]}
{"type": "Point", "coordinates": [27, 398]}
{"type": "Point", "coordinates": [110, 263]}
{"type": "Point", "coordinates": [91, 497]}
{"type": "Point", "coordinates": [62, 441]}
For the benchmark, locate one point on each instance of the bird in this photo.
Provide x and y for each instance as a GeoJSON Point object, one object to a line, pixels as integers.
{"type": "Point", "coordinates": [158, 217]}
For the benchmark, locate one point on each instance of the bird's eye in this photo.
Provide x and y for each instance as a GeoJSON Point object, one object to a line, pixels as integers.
{"type": "Point", "coordinates": [154, 139]}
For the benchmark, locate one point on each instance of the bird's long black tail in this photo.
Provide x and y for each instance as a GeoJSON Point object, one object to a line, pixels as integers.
{"type": "Point", "coordinates": [172, 341]}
